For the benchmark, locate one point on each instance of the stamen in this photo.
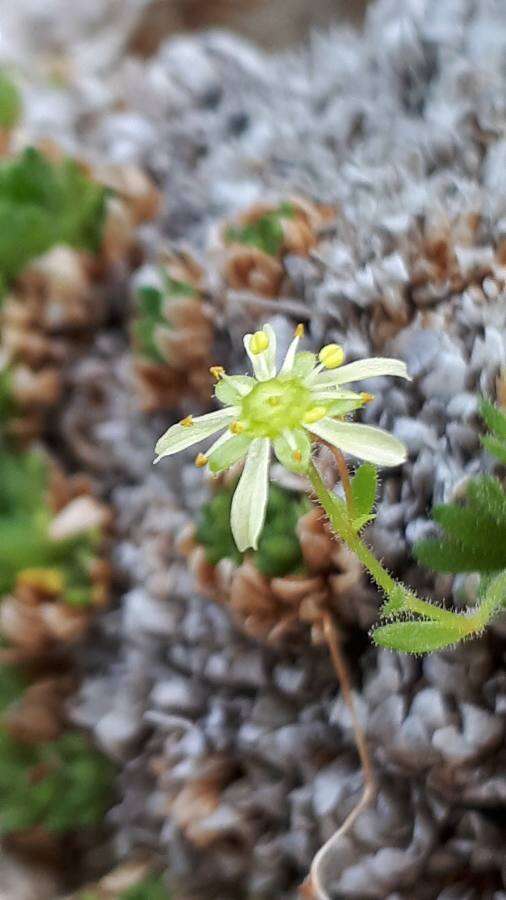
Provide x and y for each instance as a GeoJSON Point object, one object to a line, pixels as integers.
{"type": "Point", "coordinates": [300, 330]}
{"type": "Point", "coordinates": [331, 356]}
{"type": "Point", "coordinates": [259, 342]}
{"type": "Point", "coordinates": [297, 455]}
{"type": "Point", "coordinates": [200, 461]}
{"type": "Point", "coordinates": [217, 372]}
{"type": "Point", "coordinates": [187, 422]}
{"type": "Point", "coordinates": [314, 414]}
{"type": "Point", "coordinates": [367, 398]}
{"type": "Point", "coordinates": [237, 427]}
{"type": "Point", "coordinates": [274, 401]}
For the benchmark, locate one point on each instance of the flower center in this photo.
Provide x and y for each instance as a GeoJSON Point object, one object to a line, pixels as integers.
{"type": "Point", "coordinates": [272, 406]}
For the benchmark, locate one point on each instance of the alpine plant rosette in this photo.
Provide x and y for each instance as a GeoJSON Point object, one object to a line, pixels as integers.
{"type": "Point", "coordinates": [306, 400]}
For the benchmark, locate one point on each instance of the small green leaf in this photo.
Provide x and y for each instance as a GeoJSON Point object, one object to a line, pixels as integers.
{"type": "Point", "coordinates": [395, 602]}
{"type": "Point", "coordinates": [494, 418]}
{"type": "Point", "coordinates": [364, 485]}
{"type": "Point", "coordinates": [361, 521]}
{"type": "Point", "coordinates": [266, 233]}
{"type": "Point", "coordinates": [416, 637]}
{"type": "Point", "coordinates": [487, 495]}
{"type": "Point", "coordinates": [450, 556]}
{"type": "Point", "coordinates": [496, 447]}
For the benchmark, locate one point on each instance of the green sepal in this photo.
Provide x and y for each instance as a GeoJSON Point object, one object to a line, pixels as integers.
{"type": "Point", "coordinates": [228, 453]}
{"type": "Point", "coordinates": [285, 452]}
{"type": "Point", "coordinates": [227, 390]}
{"type": "Point", "coordinates": [303, 364]}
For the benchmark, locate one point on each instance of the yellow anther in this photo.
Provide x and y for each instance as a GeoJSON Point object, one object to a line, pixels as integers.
{"type": "Point", "coordinates": [331, 356]}
{"type": "Point", "coordinates": [259, 342]}
{"type": "Point", "coordinates": [274, 401]}
{"type": "Point", "coordinates": [217, 372]}
{"type": "Point", "coordinates": [187, 421]}
{"type": "Point", "coordinates": [367, 398]}
{"type": "Point", "coordinates": [237, 427]}
{"type": "Point", "coordinates": [300, 331]}
{"type": "Point", "coordinates": [315, 414]}
{"type": "Point", "coordinates": [200, 461]}
{"type": "Point", "coordinates": [297, 455]}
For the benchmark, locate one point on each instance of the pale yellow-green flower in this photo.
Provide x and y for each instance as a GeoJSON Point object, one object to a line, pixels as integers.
{"type": "Point", "coordinates": [287, 410]}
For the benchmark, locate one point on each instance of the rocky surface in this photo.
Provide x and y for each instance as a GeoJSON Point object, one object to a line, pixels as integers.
{"type": "Point", "coordinates": [239, 761]}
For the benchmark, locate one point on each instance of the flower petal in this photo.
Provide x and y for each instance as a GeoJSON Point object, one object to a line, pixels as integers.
{"type": "Point", "coordinates": [363, 368]}
{"type": "Point", "coordinates": [179, 437]}
{"type": "Point", "coordinates": [289, 359]}
{"type": "Point", "coordinates": [365, 441]}
{"type": "Point", "coordinates": [231, 389]}
{"type": "Point", "coordinates": [264, 363]}
{"type": "Point", "coordinates": [250, 499]}
{"type": "Point", "coordinates": [293, 442]}
{"type": "Point", "coordinates": [227, 452]}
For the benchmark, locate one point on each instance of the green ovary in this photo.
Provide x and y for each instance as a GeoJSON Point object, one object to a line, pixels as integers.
{"type": "Point", "coordinates": [275, 405]}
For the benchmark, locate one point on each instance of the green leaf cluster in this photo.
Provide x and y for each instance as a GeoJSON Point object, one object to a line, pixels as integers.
{"type": "Point", "coordinates": [150, 313]}
{"type": "Point", "coordinates": [61, 786]}
{"type": "Point", "coordinates": [10, 101]}
{"type": "Point", "coordinates": [473, 539]}
{"type": "Point", "coordinates": [266, 233]}
{"type": "Point", "coordinates": [25, 520]}
{"type": "Point", "coordinates": [473, 535]}
{"type": "Point", "coordinates": [42, 204]}
{"type": "Point", "coordinates": [279, 552]}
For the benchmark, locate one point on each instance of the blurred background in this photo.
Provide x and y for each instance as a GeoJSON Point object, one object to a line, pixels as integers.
{"type": "Point", "coordinates": [172, 174]}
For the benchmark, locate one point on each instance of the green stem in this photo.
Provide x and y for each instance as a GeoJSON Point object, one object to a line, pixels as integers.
{"type": "Point", "coordinates": [340, 521]}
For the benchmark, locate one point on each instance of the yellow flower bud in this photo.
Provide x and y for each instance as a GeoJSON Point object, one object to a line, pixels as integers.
{"type": "Point", "coordinates": [315, 414]}
{"type": "Point", "coordinates": [200, 461]}
{"type": "Point", "coordinates": [259, 342]}
{"type": "Point", "coordinates": [331, 356]}
{"type": "Point", "coordinates": [237, 427]}
{"type": "Point", "coordinates": [187, 422]}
